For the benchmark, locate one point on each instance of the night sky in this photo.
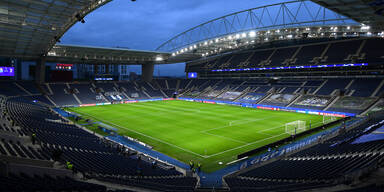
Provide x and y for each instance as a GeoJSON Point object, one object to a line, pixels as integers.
{"type": "Point", "coordinates": [146, 24]}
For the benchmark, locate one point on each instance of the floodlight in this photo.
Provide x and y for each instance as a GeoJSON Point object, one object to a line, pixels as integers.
{"type": "Point", "coordinates": [159, 58]}
{"type": "Point", "coordinates": [252, 34]}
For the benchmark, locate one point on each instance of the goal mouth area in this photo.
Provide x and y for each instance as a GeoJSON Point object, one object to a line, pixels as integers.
{"type": "Point", "coordinates": [294, 127]}
{"type": "Point", "coordinates": [284, 141]}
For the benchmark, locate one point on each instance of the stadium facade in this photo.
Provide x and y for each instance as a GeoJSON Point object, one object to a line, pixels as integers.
{"type": "Point", "coordinates": [310, 71]}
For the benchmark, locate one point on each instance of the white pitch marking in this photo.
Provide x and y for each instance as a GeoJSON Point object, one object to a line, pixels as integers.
{"type": "Point", "coordinates": [224, 137]}
{"type": "Point", "coordinates": [208, 156]}
{"type": "Point", "coordinates": [242, 146]}
{"type": "Point", "coordinates": [235, 124]}
{"type": "Point", "coordinates": [153, 138]}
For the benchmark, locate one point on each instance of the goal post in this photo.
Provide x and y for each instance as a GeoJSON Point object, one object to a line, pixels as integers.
{"type": "Point", "coordinates": [328, 119]}
{"type": "Point", "coordinates": [295, 127]}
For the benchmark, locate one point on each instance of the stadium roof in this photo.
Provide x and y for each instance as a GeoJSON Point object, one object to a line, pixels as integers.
{"type": "Point", "coordinates": [29, 28]}
{"type": "Point", "coordinates": [369, 12]}
{"type": "Point", "coordinates": [101, 55]}
{"type": "Point", "coordinates": [262, 25]}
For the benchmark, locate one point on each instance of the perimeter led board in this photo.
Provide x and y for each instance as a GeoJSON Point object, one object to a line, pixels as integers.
{"type": "Point", "coordinates": [192, 75]}
{"type": "Point", "coordinates": [294, 67]}
{"type": "Point", "coordinates": [7, 71]}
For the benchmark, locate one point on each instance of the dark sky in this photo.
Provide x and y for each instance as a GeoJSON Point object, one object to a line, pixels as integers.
{"type": "Point", "coordinates": [145, 24]}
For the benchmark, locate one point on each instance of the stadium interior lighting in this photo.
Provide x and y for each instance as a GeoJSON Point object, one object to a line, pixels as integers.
{"type": "Point", "coordinates": [365, 27]}
{"type": "Point", "coordinates": [243, 35]}
{"type": "Point", "coordinates": [252, 34]}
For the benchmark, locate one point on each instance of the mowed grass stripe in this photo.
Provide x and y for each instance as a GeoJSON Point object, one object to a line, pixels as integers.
{"type": "Point", "coordinates": [197, 131]}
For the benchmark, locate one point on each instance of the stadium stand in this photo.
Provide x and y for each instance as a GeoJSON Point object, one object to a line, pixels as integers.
{"type": "Point", "coordinates": [86, 93]}
{"type": "Point", "coordinates": [343, 95]}
{"type": "Point", "coordinates": [61, 95]}
{"type": "Point", "coordinates": [341, 51]}
{"type": "Point", "coordinates": [91, 156]}
{"type": "Point", "coordinates": [311, 87]}
{"type": "Point", "coordinates": [322, 165]}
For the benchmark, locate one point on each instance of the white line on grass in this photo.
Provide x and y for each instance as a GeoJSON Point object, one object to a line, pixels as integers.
{"type": "Point", "coordinates": [205, 132]}
{"type": "Point", "coordinates": [236, 124]}
{"type": "Point", "coordinates": [151, 137]}
{"type": "Point", "coordinates": [237, 141]}
{"type": "Point", "coordinates": [243, 146]}
{"type": "Point", "coordinates": [253, 142]}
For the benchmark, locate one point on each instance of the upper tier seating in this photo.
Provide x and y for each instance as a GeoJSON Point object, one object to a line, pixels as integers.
{"type": "Point", "coordinates": [364, 87]}
{"type": "Point", "coordinates": [372, 50]}
{"type": "Point", "coordinates": [333, 84]}
{"type": "Point", "coordinates": [308, 53]}
{"type": "Point", "coordinates": [339, 52]}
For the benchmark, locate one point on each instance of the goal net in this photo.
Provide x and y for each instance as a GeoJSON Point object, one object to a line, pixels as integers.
{"type": "Point", "coordinates": [328, 119]}
{"type": "Point", "coordinates": [295, 127]}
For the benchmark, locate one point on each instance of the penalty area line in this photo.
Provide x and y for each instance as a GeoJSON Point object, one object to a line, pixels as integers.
{"type": "Point", "coordinates": [237, 141]}
{"type": "Point", "coordinates": [239, 147]}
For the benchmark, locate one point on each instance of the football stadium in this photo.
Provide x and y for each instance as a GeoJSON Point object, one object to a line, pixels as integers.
{"type": "Point", "coordinates": [285, 96]}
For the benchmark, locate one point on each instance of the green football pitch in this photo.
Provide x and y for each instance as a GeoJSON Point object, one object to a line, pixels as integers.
{"type": "Point", "coordinates": [210, 134]}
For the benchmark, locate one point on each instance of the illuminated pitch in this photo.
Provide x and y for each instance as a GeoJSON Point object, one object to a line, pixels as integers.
{"type": "Point", "coordinates": [202, 132]}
